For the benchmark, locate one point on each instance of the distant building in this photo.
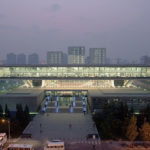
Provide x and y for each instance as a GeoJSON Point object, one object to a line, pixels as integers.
{"type": "Point", "coordinates": [97, 56]}
{"type": "Point", "coordinates": [43, 62]}
{"type": "Point", "coordinates": [55, 57]}
{"type": "Point", "coordinates": [33, 59]}
{"type": "Point", "coordinates": [87, 60]}
{"type": "Point", "coordinates": [11, 59]}
{"type": "Point", "coordinates": [21, 59]}
{"type": "Point", "coordinates": [65, 58]}
{"type": "Point", "coordinates": [109, 61]}
{"type": "Point", "coordinates": [145, 60]}
{"type": "Point", "coordinates": [120, 61]}
{"type": "Point", "coordinates": [2, 62]}
{"type": "Point", "coordinates": [76, 55]}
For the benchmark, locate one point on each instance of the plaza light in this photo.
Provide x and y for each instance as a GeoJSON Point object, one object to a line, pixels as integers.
{"type": "Point", "coordinates": [8, 121]}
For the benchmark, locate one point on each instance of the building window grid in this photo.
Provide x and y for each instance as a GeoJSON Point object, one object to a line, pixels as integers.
{"type": "Point", "coordinates": [74, 71]}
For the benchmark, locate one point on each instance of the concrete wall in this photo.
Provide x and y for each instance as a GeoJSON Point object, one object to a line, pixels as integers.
{"type": "Point", "coordinates": [33, 102]}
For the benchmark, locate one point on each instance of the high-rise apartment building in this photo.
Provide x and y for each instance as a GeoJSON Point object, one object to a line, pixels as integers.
{"type": "Point", "coordinates": [1, 62]}
{"type": "Point", "coordinates": [11, 59]}
{"type": "Point", "coordinates": [65, 58]}
{"type": "Point", "coordinates": [76, 55]}
{"type": "Point", "coordinates": [145, 60]}
{"type": "Point", "coordinates": [97, 56]}
{"type": "Point", "coordinates": [21, 59]}
{"type": "Point", "coordinates": [55, 57]}
{"type": "Point", "coordinates": [33, 59]}
{"type": "Point", "coordinates": [87, 60]}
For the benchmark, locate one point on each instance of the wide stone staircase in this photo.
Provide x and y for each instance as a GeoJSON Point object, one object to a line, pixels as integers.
{"type": "Point", "coordinates": [66, 119]}
{"type": "Point", "coordinates": [56, 105]}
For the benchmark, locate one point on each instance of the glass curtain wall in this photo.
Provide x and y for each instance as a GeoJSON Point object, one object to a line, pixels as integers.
{"type": "Point", "coordinates": [74, 72]}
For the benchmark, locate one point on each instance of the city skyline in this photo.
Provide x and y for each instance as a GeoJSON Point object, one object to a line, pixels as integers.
{"type": "Point", "coordinates": [95, 56]}
{"type": "Point", "coordinates": [120, 26]}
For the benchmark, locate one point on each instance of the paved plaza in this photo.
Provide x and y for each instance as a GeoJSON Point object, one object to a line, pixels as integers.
{"type": "Point", "coordinates": [65, 126]}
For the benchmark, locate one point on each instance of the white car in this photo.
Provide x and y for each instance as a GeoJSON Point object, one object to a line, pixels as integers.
{"type": "Point", "coordinates": [55, 145]}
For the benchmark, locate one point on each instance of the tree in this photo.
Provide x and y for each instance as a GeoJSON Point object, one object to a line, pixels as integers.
{"type": "Point", "coordinates": [1, 111]}
{"type": "Point", "coordinates": [7, 112]}
{"type": "Point", "coordinates": [27, 115]}
{"type": "Point", "coordinates": [131, 112]}
{"type": "Point", "coordinates": [20, 114]}
{"type": "Point", "coordinates": [145, 132]}
{"type": "Point", "coordinates": [17, 111]}
{"type": "Point", "coordinates": [141, 118]}
{"type": "Point", "coordinates": [131, 132]}
{"type": "Point", "coordinates": [124, 126]}
{"type": "Point", "coordinates": [16, 129]}
{"type": "Point", "coordinates": [147, 113]}
{"type": "Point", "coordinates": [124, 111]}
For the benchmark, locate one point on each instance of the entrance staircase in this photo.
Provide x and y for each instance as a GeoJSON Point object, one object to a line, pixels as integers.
{"type": "Point", "coordinates": [54, 105]}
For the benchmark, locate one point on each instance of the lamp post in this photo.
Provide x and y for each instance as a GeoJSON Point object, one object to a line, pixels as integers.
{"type": "Point", "coordinates": [8, 128]}
{"type": "Point", "coordinates": [8, 122]}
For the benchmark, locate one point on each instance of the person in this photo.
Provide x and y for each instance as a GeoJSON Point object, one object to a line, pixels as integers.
{"type": "Point", "coordinates": [70, 125]}
{"type": "Point", "coordinates": [93, 146]}
{"type": "Point", "coordinates": [44, 109]}
{"type": "Point", "coordinates": [84, 110]}
{"type": "Point", "coordinates": [40, 131]}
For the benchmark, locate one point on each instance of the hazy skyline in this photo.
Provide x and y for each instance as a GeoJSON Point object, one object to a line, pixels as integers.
{"type": "Point", "coordinates": [123, 27]}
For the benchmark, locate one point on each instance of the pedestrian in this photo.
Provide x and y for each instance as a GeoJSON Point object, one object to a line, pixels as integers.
{"type": "Point", "coordinates": [93, 146]}
{"type": "Point", "coordinates": [70, 125]}
{"type": "Point", "coordinates": [84, 110]}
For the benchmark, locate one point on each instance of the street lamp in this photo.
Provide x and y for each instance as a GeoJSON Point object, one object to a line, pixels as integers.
{"type": "Point", "coordinates": [8, 121]}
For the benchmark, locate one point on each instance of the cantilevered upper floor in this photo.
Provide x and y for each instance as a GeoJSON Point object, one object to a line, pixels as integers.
{"type": "Point", "coordinates": [76, 72]}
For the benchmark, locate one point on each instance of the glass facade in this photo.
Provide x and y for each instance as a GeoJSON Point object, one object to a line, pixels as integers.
{"type": "Point", "coordinates": [76, 72]}
{"type": "Point", "coordinates": [76, 84]}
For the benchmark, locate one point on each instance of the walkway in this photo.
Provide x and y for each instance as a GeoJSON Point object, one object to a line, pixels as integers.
{"type": "Point", "coordinates": [65, 126]}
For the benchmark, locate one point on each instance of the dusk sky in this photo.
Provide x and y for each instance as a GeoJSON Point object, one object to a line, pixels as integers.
{"type": "Point", "coordinates": [122, 26]}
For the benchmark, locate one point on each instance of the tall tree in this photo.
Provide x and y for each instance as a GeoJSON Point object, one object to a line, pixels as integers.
{"type": "Point", "coordinates": [124, 126]}
{"type": "Point", "coordinates": [7, 112]}
{"type": "Point", "coordinates": [131, 112]}
{"type": "Point", "coordinates": [125, 111]}
{"type": "Point", "coordinates": [141, 118]}
{"type": "Point", "coordinates": [147, 113]}
{"type": "Point", "coordinates": [145, 132]}
{"type": "Point", "coordinates": [27, 115]}
{"type": "Point", "coordinates": [20, 113]}
{"type": "Point", "coordinates": [131, 132]}
{"type": "Point", "coordinates": [1, 111]}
